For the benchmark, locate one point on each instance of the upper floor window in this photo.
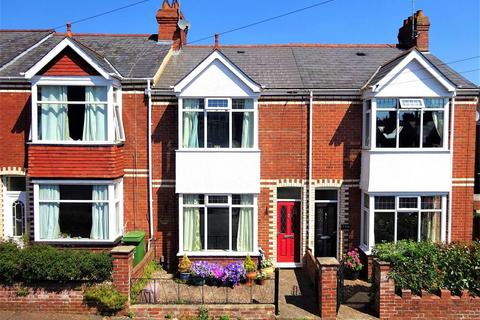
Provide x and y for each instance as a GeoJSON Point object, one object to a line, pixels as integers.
{"type": "Point", "coordinates": [218, 123]}
{"type": "Point", "coordinates": [77, 114]}
{"type": "Point", "coordinates": [406, 123]}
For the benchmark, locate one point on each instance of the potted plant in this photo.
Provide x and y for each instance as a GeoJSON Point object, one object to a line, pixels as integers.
{"type": "Point", "coordinates": [266, 266]}
{"type": "Point", "coordinates": [184, 269]}
{"type": "Point", "coordinates": [200, 271]}
{"type": "Point", "coordinates": [216, 274]}
{"type": "Point", "coordinates": [352, 263]}
{"type": "Point", "coordinates": [233, 274]}
{"type": "Point", "coordinates": [250, 270]}
{"type": "Point", "coordinates": [261, 277]}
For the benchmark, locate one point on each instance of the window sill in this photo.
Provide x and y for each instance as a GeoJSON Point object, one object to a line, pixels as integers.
{"type": "Point", "coordinates": [365, 249]}
{"type": "Point", "coordinates": [78, 241]}
{"type": "Point", "coordinates": [230, 150]}
{"type": "Point", "coordinates": [407, 150]}
{"type": "Point", "coordinates": [75, 143]}
{"type": "Point", "coordinates": [218, 253]}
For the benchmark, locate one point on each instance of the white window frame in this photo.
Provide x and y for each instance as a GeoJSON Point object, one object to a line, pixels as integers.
{"type": "Point", "coordinates": [230, 111]}
{"type": "Point", "coordinates": [77, 81]}
{"type": "Point", "coordinates": [373, 124]}
{"type": "Point", "coordinates": [367, 127]}
{"type": "Point", "coordinates": [366, 247]}
{"type": "Point", "coordinates": [206, 205]}
{"type": "Point", "coordinates": [115, 228]}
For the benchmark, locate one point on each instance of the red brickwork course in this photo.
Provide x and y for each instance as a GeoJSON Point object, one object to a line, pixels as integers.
{"type": "Point", "coordinates": [427, 306]}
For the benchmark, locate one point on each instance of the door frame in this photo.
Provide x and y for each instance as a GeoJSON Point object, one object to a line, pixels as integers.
{"type": "Point", "coordinates": [338, 217]}
{"type": "Point", "coordinates": [289, 264]}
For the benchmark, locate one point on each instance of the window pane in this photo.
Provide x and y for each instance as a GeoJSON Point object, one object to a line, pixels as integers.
{"type": "Point", "coordinates": [18, 216]}
{"type": "Point", "coordinates": [407, 226]}
{"type": "Point", "coordinates": [242, 103]}
{"type": "Point", "coordinates": [386, 129]}
{"type": "Point", "coordinates": [218, 103]}
{"type": "Point", "coordinates": [294, 193]}
{"type": "Point", "coordinates": [192, 130]}
{"type": "Point", "coordinates": [366, 228]}
{"type": "Point", "coordinates": [193, 229]}
{"type": "Point", "coordinates": [432, 202]}
{"type": "Point", "coordinates": [430, 228]}
{"type": "Point", "coordinates": [193, 103]}
{"type": "Point", "coordinates": [242, 229]}
{"type": "Point", "coordinates": [283, 219]}
{"type": "Point", "coordinates": [386, 103]}
{"type": "Point", "coordinates": [366, 200]}
{"type": "Point", "coordinates": [242, 129]}
{"type": "Point", "coordinates": [217, 225]}
{"type": "Point", "coordinates": [434, 103]}
{"type": "Point", "coordinates": [326, 195]}
{"type": "Point", "coordinates": [245, 199]}
{"type": "Point", "coordinates": [217, 130]}
{"type": "Point", "coordinates": [217, 199]}
{"type": "Point", "coordinates": [75, 192]}
{"type": "Point", "coordinates": [15, 183]}
{"type": "Point", "coordinates": [384, 203]}
{"type": "Point", "coordinates": [53, 119]}
{"type": "Point", "coordinates": [408, 202]}
{"type": "Point", "coordinates": [409, 124]}
{"type": "Point", "coordinates": [193, 199]}
{"type": "Point", "coordinates": [367, 128]}
{"type": "Point", "coordinates": [75, 220]}
{"type": "Point", "coordinates": [411, 103]}
{"type": "Point", "coordinates": [433, 124]}
{"type": "Point", "coordinates": [384, 226]}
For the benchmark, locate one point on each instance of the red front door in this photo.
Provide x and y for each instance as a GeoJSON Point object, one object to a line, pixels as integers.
{"type": "Point", "coordinates": [288, 231]}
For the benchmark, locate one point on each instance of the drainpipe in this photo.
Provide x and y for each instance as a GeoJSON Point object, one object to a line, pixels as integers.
{"type": "Point", "coordinates": [149, 151]}
{"type": "Point", "coordinates": [310, 148]}
{"type": "Point", "coordinates": [452, 120]}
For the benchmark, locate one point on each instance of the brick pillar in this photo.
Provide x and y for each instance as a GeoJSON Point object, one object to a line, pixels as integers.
{"type": "Point", "coordinates": [122, 268]}
{"type": "Point", "coordinates": [384, 290]}
{"type": "Point", "coordinates": [327, 288]}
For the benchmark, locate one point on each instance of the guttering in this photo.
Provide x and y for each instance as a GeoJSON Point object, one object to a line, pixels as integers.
{"type": "Point", "coordinates": [149, 152]}
{"type": "Point", "coordinates": [310, 154]}
{"type": "Point", "coordinates": [452, 131]}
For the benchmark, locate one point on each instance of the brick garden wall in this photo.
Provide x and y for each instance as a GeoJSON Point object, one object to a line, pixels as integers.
{"type": "Point", "coordinates": [389, 305]}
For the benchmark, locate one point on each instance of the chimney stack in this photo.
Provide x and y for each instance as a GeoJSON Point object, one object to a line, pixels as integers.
{"type": "Point", "coordinates": [419, 37]}
{"type": "Point", "coordinates": [167, 19]}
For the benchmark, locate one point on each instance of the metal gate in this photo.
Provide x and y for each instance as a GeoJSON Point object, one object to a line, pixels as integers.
{"type": "Point", "coordinates": [340, 280]}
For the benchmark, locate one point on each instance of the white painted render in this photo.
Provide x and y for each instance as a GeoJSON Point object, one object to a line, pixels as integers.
{"type": "Point", "coordinates": [410, 171]}
{"type": "Point", "coordinates": [212, 171]}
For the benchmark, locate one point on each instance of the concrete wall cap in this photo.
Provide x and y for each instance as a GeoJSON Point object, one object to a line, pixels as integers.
{"type": "Point", "coordinates": [122, 249]}
{"type": "Point", "coordinates": [328, 261]}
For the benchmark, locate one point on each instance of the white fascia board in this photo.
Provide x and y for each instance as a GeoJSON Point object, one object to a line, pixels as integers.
{"type": "Point", "coordinates": [429, 67]}
{"type": "Point", "coordinates": [67, 42]}
{"type": "Point", "coordinates": [216, 55]}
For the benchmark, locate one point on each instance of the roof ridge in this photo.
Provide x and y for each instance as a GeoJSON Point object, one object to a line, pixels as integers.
{"type": "Point", "coordinates": [319, 45]}
{"type": "Point", "coordinates": [27, 30]}
{"type": "Point", "coordinates": [107, 34]}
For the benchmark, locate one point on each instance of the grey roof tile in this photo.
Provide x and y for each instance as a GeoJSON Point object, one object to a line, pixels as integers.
{"type": "Point", "coordinates": [14, 42]}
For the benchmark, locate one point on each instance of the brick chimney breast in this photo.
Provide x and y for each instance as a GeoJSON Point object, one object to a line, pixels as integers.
{"type": "Point", "coordinates": [419, 38]}
{"type": "Point", "coordinates": [167, 18]}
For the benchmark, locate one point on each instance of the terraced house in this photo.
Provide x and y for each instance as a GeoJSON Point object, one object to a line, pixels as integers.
{"type": "Point", "coordinates": [220, 151]}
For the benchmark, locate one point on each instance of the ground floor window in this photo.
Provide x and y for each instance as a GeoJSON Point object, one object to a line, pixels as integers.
{"type": "Point", "coordinates": [217, 223]}
{"type": "Point", "coordinates": [390, 218]}
{"type": "Point", "coordinates": [78, 210]}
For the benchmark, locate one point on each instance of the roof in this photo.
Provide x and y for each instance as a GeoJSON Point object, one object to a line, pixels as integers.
{"type": "Point", "coordinates": [14, 42]}
{"type": "Point", "coordinates": [133, 56]}
{"type": "Point", "coordinates": [302, 66]}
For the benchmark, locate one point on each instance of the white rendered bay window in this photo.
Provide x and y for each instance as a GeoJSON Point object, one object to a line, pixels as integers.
{"type": "Point", "coordinates": [220, 224]}
{"type": "Point", "coordinates": [76, 111]}
{"type": "Point", "coordinates": [78, 211]}
{"type": "Point", "coordinates": [217, 123]}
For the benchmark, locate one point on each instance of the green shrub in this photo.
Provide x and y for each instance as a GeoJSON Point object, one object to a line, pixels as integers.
{"type": "Point", "coordinates": [203, 314]}
{"type": "Point", "coordinates": [42, 262]}
{"type": "Point", "coordinates": [10, 266]}
{"type": "Point", "coordinates": [105, 297]}
{"type": "Point", "coordinates": [427, 266]}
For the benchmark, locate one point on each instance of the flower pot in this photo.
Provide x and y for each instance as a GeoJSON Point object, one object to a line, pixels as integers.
{"type": "Point", "coordinates": [268, 271]}
{"type": "Point", "coordinates": [260, 282]}
{"type": "Point", "coordinates": [198, 281]}
{"type": "Point", "coordinates": [352, 274]}
{"type": "Point", "coordinates": [183, 276]}
{"type": "Point", "coordinates": [212, 281]}
{"type": "Point", "coordinates": [250, 277]}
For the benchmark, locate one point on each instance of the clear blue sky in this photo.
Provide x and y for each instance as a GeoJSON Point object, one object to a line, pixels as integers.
{"type": "Point", "coordinates": [454, 32]}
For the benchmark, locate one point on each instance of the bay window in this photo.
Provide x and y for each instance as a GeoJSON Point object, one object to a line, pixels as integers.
{"type": "Point", "coordinates": [406, 123]}
{"type": "Point", "coordinates": [78, 210]}
{"type": "Point", "coordinates": [76, 111]}
{"type": "Point", "coordinates": [217, 223]}
{"type": "Point", "coordinates": [389, 218]}
{"type": "Point", "coordinates": [217, 123]}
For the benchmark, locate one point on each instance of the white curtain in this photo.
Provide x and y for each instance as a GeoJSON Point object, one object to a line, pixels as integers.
{"type": "Point", "coordinates": [191, 224]}
{"type": "Point", "coordinates": [247, 130]}
{"type": "Point", "coordinates": [245, 226]}
{"type": "Point", "coordinates": [437, 117]}
{"type": "Point", "coordinates": [49, 211]}
{"type": "Point", "coordinates": [190, 123]}
{"type": "Point", "coordinates": [95, 121]}
{"type": "Point", "coordinates": [99, 213]}
{"type": "Point", "coordinates": [54, 116]}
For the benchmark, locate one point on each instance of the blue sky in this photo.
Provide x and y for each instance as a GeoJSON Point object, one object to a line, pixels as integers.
{"type": "Point", "coordinates": [454, 32]}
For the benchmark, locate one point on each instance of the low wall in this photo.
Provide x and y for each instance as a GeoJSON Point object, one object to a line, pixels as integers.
{"type": "Point", "coordinates": [55, 299]}
{"type": "Point", "coordinates": [245, 312]}
{"type": "Point", "coordinates": [390, 305]}
{"type": "Point", "coordinates": [139, 269]}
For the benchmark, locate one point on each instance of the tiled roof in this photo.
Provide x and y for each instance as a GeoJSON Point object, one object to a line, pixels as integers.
{"type": "Point", "coordinates": [133, 56]}
{"type": "Point", "coordinates": [301, 66]}
{"type": "Point", "coordinates": [14, 42]}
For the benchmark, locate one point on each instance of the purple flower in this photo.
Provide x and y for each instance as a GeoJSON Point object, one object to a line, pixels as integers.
{"type": "Point", "coordinates": [234, 273]}
{"type": "Point", "coordinates": [200, 269]}
{"type": "Point", "coordinates": [216, 271]}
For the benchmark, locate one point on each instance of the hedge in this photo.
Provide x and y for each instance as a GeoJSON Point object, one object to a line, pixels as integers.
{"type": "Point", "coordinates": [45, 263]}
{"type": "Point", "coordinates": [427, 266]}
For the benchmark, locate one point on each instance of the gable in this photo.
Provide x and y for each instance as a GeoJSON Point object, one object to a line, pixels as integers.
{"type": "Point", "coordinates": [68, 63]}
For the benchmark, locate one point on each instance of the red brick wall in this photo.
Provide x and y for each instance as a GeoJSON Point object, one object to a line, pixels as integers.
{"type": "Point", "coordinates": [389, 305]}
{"type": "Point", "coordinates": [14, 128]}
{"type": "Point", "coordinates": [68, 63]}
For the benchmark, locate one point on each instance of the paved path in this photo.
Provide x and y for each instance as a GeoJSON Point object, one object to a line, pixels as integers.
{"type": "Point", "coordinates": [356, 301]}
{"type": "Point", "coordinates": [22, 315]}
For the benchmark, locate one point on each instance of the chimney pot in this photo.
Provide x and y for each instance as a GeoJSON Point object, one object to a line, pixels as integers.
{"type": "Point", "coordinates": [216, 40]}
{"type": "Point", "coordinates": [69, 30]}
